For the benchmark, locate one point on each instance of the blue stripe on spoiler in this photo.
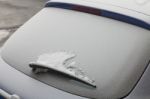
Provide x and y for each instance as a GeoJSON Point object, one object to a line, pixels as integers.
{"type": "Point", "coordinates": [100, 12]}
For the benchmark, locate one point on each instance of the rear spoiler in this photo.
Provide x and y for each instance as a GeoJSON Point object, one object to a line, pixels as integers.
{"type": "Point", "coordinates": [109, 11]}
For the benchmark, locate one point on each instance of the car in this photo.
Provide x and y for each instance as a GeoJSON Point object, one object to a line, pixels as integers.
{"type": "Point", "coordinates": [79, 49]}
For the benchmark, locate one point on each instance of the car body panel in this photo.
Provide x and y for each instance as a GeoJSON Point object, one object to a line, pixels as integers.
{"type": "Point", "coordinates": [96, 49]}
{"type": "Point", "coordinates": [114, 54]}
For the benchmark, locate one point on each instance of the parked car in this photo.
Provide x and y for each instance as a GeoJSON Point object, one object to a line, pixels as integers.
{"type": "Point", "coordinates": [78, 49]}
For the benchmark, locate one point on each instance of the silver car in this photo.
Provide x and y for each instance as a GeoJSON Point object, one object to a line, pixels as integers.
{"type": "Point", "coordinates": [80, 49]}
